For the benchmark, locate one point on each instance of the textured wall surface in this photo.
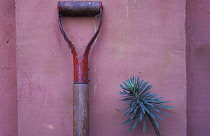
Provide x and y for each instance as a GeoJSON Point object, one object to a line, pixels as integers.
{"type": "Point", "coordinates": [8, 87]}
{"type": "Point", "coordinates": [198, 67]}
{"type": "Point", "coordinates": [138, 37]}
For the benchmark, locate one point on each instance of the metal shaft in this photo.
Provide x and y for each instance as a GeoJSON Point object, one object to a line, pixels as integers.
{"type": "Point", "coordinates": [81, 110]}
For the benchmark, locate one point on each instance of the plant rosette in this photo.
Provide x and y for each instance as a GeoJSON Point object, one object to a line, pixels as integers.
{"type": "Point", "coordinates": [142, 104]}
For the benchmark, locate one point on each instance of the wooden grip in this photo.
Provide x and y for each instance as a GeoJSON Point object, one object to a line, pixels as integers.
{"type": "Point", "coordinates": [81, 110]}
{"type": "Point", "coordinates": [79, 8]}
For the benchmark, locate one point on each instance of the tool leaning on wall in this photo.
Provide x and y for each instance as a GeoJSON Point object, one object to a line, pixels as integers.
{"type": "Point", "coordinates": [80, 91]}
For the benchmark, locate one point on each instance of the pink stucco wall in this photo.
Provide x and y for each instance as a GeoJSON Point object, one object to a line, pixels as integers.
{"type": "Point", "coordinates": [8, 87]}
{"type": "Point", "coordinates": [198, 66]}
{"type": "Point", "coordinates": [138, 37]}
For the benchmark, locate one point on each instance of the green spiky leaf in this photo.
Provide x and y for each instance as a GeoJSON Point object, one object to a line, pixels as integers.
{"type": "Point", "coordinates": [141, 103]}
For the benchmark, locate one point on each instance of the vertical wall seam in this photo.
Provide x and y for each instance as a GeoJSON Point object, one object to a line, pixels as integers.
{"type": "Point", "coordinates": [16, 52]}
{"type": "Point", "coordinates": [186, 54]}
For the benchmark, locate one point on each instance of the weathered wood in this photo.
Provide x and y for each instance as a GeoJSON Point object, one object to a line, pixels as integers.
{"type": "Point", "coordinates": [81, 110]}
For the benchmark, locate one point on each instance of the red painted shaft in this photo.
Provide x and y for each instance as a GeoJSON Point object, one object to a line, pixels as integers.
{"type": "Point", "coordinates": [81, 70]}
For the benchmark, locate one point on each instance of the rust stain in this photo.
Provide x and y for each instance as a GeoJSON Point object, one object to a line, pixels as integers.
{"type": "Point", "coordinates": [203, 50]}
{"type": "Point", "coordinates": [121, 43]}
{"type": "Point", "coordinates": [202, 53]}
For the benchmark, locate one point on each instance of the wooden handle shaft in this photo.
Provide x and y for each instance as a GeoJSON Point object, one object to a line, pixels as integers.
{"type": "Point", "coordinates": [81, 110]}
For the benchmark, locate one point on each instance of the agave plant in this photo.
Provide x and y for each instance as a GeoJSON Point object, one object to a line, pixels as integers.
{"type": "Point", "coordinates": [142, 104]}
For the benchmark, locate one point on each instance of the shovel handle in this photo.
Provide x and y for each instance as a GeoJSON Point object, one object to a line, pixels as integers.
{"type": "Point", "coordinates": [80, 63]}
{"type": "Point", "coordinates": [80, 110]}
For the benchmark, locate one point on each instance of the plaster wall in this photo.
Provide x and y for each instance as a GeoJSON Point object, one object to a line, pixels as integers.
{"type": "Point", "coordinates": [8, 85]}
{"type": "Point", "coordinates": [198, 67]}
{"type": "Point", "coordinates": [144, 38]}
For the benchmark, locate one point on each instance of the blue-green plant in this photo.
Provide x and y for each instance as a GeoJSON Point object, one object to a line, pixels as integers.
{"type": "Point", "coordinates": [142, 104]}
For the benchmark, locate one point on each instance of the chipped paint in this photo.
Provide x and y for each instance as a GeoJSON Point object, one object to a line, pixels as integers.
{"type": "Point", "coordinates": [49, 126]}
{"type": "Point", "coordinates": [95, 67]}
{"type": "Point", "coordinates": [127, 14]}
{"type": "Point", "coordinates": [95, 88]}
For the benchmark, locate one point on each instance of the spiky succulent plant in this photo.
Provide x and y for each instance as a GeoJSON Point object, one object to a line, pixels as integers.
{"type": "Point", "coordinates": [142, 104]}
